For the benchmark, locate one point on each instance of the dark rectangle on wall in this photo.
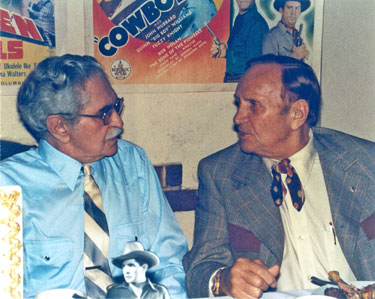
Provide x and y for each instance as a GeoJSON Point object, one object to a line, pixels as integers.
{"type": "Point", "coordinates": [182, 200]}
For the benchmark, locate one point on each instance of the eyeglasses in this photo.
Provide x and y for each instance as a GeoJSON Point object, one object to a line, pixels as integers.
{"type": "Point", "coordinates": [105, 113]}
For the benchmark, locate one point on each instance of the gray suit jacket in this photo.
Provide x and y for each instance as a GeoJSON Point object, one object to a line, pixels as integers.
{"type": "Point", "coordinates": [236, 216]}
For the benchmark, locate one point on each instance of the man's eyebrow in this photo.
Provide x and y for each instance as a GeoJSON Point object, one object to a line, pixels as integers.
{"type": "Point", "coordinates": [236, 100]}
{"type": "Point", "coordinates": [107, 107]}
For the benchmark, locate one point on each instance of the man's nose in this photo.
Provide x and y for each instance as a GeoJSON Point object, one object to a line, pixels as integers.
{"type": "Point", "coordinates": [238, 116]}
{"type": "Point", "coordinates": [116, 120]}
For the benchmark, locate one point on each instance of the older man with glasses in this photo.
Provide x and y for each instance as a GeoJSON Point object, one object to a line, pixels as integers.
{"type": "Point", "coordinates": [86, 193]}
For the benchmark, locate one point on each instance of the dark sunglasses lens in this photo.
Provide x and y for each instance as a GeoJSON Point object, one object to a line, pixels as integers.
{"type": "Point", "coordinates": [107, 117]}
{"type": "Point", "coordinates": [118, 105]}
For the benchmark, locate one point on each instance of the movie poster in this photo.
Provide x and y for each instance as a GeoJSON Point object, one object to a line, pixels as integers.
{"type": "Point", "coordinates": [304, 38]}
{"type": "Point", "coordinates": [27, 32]}
{"type": "Point", "coordinates": [160, 41]}
{"type": "Point", "coordinates": [172, 41]}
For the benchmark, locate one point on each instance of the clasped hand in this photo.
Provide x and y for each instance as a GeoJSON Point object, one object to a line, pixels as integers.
{"type": "Point", "coordinates": [249, 279]}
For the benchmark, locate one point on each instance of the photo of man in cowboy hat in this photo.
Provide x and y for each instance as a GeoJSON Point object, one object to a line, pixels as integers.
{"type": "Point", "coordinates": [284, 38]}
{"type": "Point", "coordinates": [135, 263]}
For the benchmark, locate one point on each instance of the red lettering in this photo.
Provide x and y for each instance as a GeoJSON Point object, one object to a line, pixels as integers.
{"type": "Point", "coordinates": [14, 51]}
{"type": "Point", "coordinates": [27, 27]}
{"type": "Point", "coordinates": [5, 22]}
{"type": "Point", "coordinates": [2, 55]}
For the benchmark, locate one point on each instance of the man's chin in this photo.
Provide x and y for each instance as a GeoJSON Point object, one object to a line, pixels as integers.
{"type": "Point", "coordinates": [113, 148]}
{"type": "Point", "coordinates": [245, 148]}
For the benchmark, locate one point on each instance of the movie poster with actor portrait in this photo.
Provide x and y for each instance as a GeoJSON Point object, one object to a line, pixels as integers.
{"type": "Point", "coordinates": [295, 29]}
{"type": "Point", "coordinates": [27, 31]}
{"type": "Point", "coordinates": [160, 41]}
{"type": "Point", "coordinates": [172, 41]}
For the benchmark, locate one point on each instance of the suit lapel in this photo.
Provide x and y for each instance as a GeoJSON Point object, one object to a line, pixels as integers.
{"type": "Point", "coordinates": [346, 188]}
{"type": "Point", "coordinates": [255, 203]}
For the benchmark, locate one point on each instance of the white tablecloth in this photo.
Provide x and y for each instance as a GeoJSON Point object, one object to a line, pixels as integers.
{"type": "Point", "coordinates": [286, 294]}
{"type": "Point", "coordinates": [279, 295]}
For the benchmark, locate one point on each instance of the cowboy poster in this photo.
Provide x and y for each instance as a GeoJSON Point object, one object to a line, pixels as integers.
{"type": "Point", "coordinates": [303, 19]}
{"type": "Point", "coordinates": [173, 41]}
{"type": "Point", "coordinates": [156, 42]}
{"type": "Point", "coordinates": [27, 35]}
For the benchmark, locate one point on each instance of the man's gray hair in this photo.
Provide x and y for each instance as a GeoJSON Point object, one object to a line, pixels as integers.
{"type": "Point", "coordinates": [56, 86]}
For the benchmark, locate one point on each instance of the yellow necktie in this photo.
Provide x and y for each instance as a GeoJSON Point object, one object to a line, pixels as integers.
{"type": "Point", "coordinates": [97, 271]}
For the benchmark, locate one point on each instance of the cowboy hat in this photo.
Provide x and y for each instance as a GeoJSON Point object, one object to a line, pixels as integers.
{"type": "Point", "coordinates": [135, 250]}
{"type": "Point", "coordinates": [305, 4]}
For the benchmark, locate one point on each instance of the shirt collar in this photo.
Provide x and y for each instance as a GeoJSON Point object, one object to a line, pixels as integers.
{"type": "Point", "coordinates": [301, 160]}
{"type": "Point", "coordinates": [288, 27]}
{"type": "Point", "coordinates": [282, 26]}
{"type": "Point", "coordinates": [67, 168]}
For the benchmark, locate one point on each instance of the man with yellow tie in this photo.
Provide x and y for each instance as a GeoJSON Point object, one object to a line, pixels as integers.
{"type": "Point", "coordinates": [86, 193]}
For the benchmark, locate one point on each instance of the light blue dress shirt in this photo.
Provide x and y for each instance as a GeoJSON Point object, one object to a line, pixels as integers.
{"type": "Point", "coordinates": [53, 216]}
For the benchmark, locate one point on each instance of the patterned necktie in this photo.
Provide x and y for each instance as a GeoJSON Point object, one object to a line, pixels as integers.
{"type": "Point", "coordinates": [293, 182]}
{"type": "Point", "coordinates": [97, 271]}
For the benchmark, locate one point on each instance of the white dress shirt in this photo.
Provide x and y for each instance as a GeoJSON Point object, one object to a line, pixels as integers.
{"type": "Point", "coordinates": [311, 247]}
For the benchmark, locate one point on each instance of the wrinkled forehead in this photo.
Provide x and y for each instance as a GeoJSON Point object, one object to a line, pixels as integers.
{"type": "Point", "coordinates": [266, 71]}
{"type": "Point", "coordinates": [99, 86]}
{"type": "Point", "coordinates": [262, 80]}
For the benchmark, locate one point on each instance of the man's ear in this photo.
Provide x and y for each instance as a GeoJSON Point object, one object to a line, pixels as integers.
{"type": "Point", "coordinates": [58, 128]}
{"type": "Point", "coordinates": [299, 112]}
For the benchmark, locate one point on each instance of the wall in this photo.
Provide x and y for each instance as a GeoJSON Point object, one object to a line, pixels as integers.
{"type": "Point", "coordinates": [186, 126]}
{"type": "Point", "coordinates": [348, 67]}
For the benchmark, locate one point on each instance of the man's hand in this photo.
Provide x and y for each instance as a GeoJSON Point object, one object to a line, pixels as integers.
{"type": "Point", "coordinates": [218, 50]}
{"type": "Point", "coordinates": [300, 52]}
{"type": "Point", "coordinates": [249, 279]}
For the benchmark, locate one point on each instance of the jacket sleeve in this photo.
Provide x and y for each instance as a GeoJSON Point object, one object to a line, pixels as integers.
{"type": "Point", "coordinates": [211, 249]}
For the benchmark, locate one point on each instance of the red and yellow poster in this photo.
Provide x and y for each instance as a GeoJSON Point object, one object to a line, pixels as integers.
{"type": "Point", "coordinates": [27, 32]}
{"type": "Point", "coordinates": [160, 41]}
